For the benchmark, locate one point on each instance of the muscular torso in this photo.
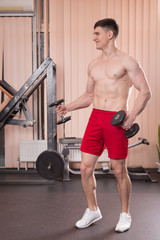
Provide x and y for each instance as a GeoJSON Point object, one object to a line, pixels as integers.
{"type": "Point", "coordinates": [111, 82]}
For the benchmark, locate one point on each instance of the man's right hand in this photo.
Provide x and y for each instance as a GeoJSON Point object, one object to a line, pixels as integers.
{"type": "Point", "coordinates": [61, 110]}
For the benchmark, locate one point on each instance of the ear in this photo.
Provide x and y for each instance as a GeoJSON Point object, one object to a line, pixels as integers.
{"type": "Point", "coordinates": [110, 34]}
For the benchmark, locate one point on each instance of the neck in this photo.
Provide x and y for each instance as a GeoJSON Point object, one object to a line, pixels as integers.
{"type": "Point", "coordinates": [110, 50]}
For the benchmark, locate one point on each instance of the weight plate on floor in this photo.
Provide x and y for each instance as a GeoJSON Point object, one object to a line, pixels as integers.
{"type": "Point", "coordinates": [118, 118]}
{"type": "Point", "coordinates": [50, 165]}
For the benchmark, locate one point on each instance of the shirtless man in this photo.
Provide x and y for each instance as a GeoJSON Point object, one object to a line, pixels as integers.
{"type": "Point", "coordinates": [110, 78]}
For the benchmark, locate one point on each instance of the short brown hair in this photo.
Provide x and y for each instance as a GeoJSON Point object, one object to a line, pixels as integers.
{"type": "Point", "coordinates": [108, 23]}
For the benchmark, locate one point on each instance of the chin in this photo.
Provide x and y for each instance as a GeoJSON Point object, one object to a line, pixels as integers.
{"type": "Point", "coordinates": [98, 48]}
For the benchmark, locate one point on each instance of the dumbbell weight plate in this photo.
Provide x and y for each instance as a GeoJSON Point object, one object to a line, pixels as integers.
{"type": "Point", "coordinates": [132, 131]}
{"type": "Point", "coordinates": [56, 103]}
{"type": "Point", "coordinates": [64, 120]}
{"type": "Point", "coordinates": [118, 118]}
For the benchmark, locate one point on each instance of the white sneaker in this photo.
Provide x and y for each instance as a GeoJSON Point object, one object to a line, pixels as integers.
{"type": "Point", "coordinates": [124, 223]}
{"type": "Point", "coordinates": [88, 218]}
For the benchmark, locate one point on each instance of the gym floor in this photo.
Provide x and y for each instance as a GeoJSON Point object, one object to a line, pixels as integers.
{"type": "Point", "coordinates": [49, 212]}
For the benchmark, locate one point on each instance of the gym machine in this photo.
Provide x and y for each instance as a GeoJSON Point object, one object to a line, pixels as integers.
{"type": "Point", "coordinates": [18, 103]}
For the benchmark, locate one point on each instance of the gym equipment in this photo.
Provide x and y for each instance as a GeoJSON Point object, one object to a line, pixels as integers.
{"type": "Point", "coordinates": [118, 119]}
{"type": "Point", "coordinates": [50, 165]}
{"type": "Point", "coordinates": [19, 98]}
{"type": "Point", "coordinates": [18, 103]}
{"type": "Point", "coordinates": [139, 172]}
{"type": "Point", "coordinates": [63, 119]}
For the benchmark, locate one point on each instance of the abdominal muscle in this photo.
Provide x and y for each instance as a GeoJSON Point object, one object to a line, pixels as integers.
{"type": "Point", "coordinates": [107, 99]}
{"type": "Point", "coordinates": [109, 104]}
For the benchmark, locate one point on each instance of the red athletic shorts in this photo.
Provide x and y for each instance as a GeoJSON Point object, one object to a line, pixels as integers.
{"type": "Point", "coordinates": [100, 134]}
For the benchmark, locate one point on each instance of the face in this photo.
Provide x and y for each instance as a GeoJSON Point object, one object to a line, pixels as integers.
{"type": "Point", "coordinates": [101, 38]}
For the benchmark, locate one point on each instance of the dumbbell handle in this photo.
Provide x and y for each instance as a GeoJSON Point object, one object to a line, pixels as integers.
{"type": "Point", "coordinates": [62, 117]}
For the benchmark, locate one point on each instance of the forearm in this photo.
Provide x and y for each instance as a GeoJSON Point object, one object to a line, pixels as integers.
{"type": "Point", "coordinates": [83, 101]}
{"type": "Point", "coordinates": [140, 104]}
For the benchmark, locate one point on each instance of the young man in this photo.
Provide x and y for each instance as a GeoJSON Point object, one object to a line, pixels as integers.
{"type": "Point", "coordinates": [110, 78]}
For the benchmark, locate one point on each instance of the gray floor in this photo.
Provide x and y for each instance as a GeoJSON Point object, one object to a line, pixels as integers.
{"type": "Point", "coordinates": [49, 212]}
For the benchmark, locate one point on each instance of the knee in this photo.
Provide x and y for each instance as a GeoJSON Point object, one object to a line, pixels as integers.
{"type": "Point", "coordinates": [120, 174]}
{"type": "Point", "coordinates": [86, 171]}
